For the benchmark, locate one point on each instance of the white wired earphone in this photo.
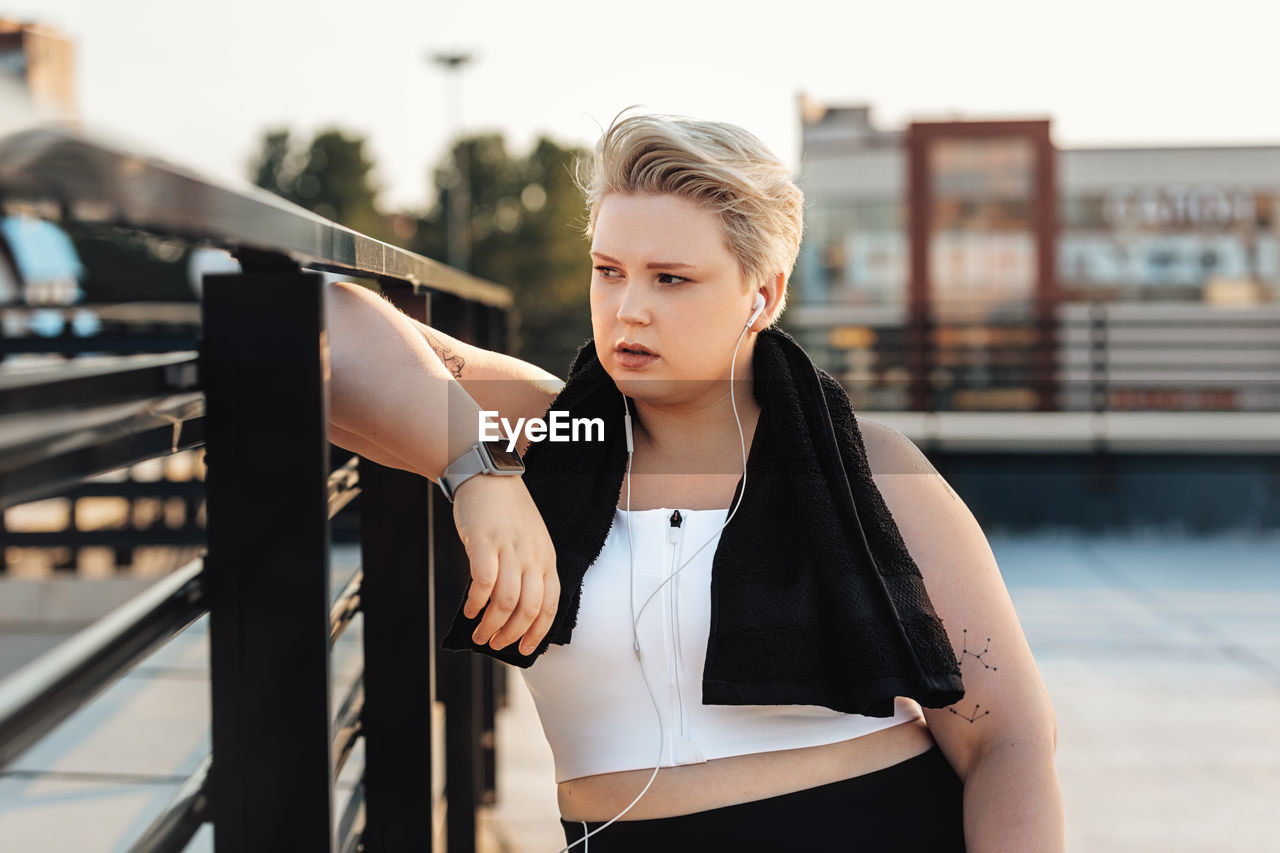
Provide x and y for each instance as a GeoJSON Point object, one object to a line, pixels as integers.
{"type": "Point", "coordinates": [756, 308]}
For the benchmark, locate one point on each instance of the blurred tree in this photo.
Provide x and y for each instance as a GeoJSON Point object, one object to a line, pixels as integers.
{"type": "Point", "coordinates": [526, 223]}
{"type": "Point", "coordinates": [330, 176]}
{"type": "Point", "coordinates": [526, 234]}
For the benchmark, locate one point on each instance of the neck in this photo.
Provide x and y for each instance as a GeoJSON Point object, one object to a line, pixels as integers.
{"type": "Point", "coordinates": [697, 432]}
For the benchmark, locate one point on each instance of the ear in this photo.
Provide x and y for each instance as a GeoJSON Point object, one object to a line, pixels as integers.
{"type": "Point", "coordinates": [772, 289]}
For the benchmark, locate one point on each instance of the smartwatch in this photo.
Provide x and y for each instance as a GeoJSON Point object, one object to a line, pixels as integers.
{"type": "Point", "coordinates": [484, 457]}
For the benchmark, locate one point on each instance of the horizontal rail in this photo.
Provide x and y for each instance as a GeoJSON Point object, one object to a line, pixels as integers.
{"type": "Point", "coordinates": [345, 607]}
{"type": "Point", "coordinates": [157, 534]}
{"type": "Point", "coordinates": [36, 698]}
{"type": "Point", "coordinates": [138, 489]}
{"type": "Point", "coordinates": [344, 485]}
{"type": "Point", "coordinates": [118, 342]}
{"type": "Point", "coordinates": [1225, 433]}
{"type": "Point", "coordinates": [347, 727]}
{"type": "Point", "coordinates": [181, 818]}
{"type": "Point", "coordinates": [88, 181]}
{"type": "Point", "coordinates": [351, 824]}
{"type": "Point", "coordinates": [96, 381]}
{"type": "Point", "coordinates": [56, 456]}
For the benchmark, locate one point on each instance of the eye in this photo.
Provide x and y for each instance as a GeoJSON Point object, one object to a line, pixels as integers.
{"type": "Point", "coordinates": [605, 271]}
{"type": "Point", "coordinates": [679, 279]}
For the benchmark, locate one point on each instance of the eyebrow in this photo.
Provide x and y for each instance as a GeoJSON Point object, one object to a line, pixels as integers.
{"type": "Point", "coordinates": [654, 266]}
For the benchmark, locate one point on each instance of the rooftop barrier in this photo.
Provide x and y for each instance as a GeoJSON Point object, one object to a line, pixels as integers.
{"type": "Point", "coordinates": [253, 396]}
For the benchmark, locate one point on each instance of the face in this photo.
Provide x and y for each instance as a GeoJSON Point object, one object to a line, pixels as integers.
{"type": "Point", "coordinates": [663, 282]}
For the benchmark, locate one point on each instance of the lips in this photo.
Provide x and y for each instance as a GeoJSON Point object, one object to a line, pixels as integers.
{"type": "Point", "coordinates": [634, 356]}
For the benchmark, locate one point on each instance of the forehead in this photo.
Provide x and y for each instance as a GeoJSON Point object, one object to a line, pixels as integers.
{"type": "Point", "coordinates": [642, 227]}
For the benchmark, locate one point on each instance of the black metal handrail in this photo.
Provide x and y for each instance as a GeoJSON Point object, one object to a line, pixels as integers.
{"type": "Point", "coordinates": [253, 396]}
{"type": "Point", "coordinates": [34, 700]}
{"type": "Point", "coordinates": [1095, 356]}
{"type": "Point", "coordinates": [181, 819]}
{"type": "Point", "coordinates": [90, 182]}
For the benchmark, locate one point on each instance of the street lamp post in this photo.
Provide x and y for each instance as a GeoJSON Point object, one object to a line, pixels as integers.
{"type": "Point", "coordinates": [458, 214]}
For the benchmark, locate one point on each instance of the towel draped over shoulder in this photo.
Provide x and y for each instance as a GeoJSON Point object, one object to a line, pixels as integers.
{"type": "Point", "coordinates": [814, 597]}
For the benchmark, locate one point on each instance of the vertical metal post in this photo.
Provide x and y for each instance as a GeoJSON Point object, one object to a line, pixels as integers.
{"type": "Point", "coordinates": [459, 685]}
{"type": "Point", "coordinates": [460, 674]}
{"type": "Point", "coordinates": [396, 508]}
{"type": "Point", "coordinates": [490, 332]}
{"type": "Point", "coordinates": [262, 365]}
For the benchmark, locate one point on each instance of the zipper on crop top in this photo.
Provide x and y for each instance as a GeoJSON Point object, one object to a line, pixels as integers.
{"type": "Point", "coordinates": [675, 533]}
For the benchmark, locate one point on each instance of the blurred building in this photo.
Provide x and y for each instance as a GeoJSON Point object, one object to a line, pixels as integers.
{"type": "Point", "coordinates": [42, 61]}
{"type": "Point", "coordinates": [974, 265]}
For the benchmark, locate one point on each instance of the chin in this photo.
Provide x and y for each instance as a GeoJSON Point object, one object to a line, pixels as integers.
{"type": "Point", "coordinates": [642, 387]}
{"type": "Point", "coordinates": [661, 391]}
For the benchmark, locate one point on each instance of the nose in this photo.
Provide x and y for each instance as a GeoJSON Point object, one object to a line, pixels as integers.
{"type": "Point", "coordinates": [633, 310]}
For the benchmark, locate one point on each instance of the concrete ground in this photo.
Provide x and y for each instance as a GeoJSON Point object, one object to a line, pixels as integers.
{"type": "Point", "coordinates": [1161, 654]}
{"type": "Point", "coordinates": [1162, 657]}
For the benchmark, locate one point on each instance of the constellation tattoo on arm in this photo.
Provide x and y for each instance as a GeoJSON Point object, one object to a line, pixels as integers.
{"type": "Point", "coordinates": [978, 656]}
{"type": "Point", "coordinates": [455, 363]}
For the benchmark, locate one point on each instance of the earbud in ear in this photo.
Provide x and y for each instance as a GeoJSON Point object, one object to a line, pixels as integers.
{"type": "Point", "coordinates": [756, 308]}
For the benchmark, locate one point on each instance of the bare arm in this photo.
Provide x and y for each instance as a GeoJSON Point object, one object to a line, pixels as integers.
{"type": "Point", "coordinates": [497, 382]}
{"type": "Point", "coordinates": [388, 388]}
{"type": "Point", "coordinates": [359, 444]}
{"type": "Point", "coordinates": [1001, 737]}
{"type": "Point", "coordinates": [393, 400]}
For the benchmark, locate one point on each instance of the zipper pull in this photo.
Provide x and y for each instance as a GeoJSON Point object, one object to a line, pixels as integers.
{"type": "Point", "coordinates": [674, 530]}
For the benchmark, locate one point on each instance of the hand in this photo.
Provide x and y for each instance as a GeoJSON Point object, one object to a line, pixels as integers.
{"type": "Point", "coordinates": [513, 563]}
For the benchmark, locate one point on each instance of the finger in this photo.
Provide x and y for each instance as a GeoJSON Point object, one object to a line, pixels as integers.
{"type": "Point", "coordinates": [484, 573]}
{"type": "Point", "coordinates": [526, 611]}
{"type": "Point", "coordinates": [503, 601]}
{"type": "Point", "coordinates": [546, 616]}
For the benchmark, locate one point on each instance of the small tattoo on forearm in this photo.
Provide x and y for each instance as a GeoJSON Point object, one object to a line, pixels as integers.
{"type": "Point", "coordinates": [455, 363]}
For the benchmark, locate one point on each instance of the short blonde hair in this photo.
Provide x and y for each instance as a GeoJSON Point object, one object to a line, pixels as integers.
{"type": "Point", "coordinates": [721, 167]}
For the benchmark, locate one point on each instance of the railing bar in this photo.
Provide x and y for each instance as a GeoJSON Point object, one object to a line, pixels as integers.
{"type": "Point", "coordinates": [351, 824]}
{"type": "Point", "coordinates": [347, 728]}
{"type": "Point", "coordinates": [345, 607]}
{"type": "Point", "coordinates": [92, 182]}
{"type": "Point", "coordinates": [38, 697]}
{"type": "Point", "coordinates": [339, 500]}
{"type": "Point", "coordinates": [45, 470]}
{"type": "Point", "coordinates": [344, 485]}
{"type": "Point", "coordinates": [174, 828]}
{"type": "Point", "coordinates": [109, 379]}
{"type": "Point", "coordinates": [26, 435]}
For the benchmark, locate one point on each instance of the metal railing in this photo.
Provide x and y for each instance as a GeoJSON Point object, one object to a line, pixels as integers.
{"type": "Point", "coordinates": [1096, 356]}
{"type": "Point", "coordinates": [254, 397]}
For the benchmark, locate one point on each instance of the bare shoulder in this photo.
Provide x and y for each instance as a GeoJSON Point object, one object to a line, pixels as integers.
{"type": "Point", "coordinates": [890, 451]}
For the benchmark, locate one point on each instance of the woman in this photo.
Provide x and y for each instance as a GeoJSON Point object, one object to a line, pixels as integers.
{"type": "Point", "coordinates": [802, 649]}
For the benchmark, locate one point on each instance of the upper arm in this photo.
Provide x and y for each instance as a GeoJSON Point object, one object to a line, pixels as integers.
{"type": "Point", "coordinates": [1005, 697]}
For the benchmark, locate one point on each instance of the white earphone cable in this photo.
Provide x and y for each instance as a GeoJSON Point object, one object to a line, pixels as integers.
{"type": "Point", "coordinates": [635, 624]}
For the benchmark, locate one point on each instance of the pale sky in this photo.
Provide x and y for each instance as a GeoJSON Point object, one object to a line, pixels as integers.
{"type": "Point", "coordinates": [198, 83]}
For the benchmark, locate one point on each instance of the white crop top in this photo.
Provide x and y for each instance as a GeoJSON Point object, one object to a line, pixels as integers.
{"type": "Point", "coordinates": [591, 697]}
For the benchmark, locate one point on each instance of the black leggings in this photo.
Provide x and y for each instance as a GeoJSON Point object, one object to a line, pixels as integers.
{"type": "Point", "coordinates": [912, 806]}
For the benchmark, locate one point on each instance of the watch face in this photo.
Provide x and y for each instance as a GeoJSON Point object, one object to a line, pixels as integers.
{"type": "Point", "coordinates": [504, 461]}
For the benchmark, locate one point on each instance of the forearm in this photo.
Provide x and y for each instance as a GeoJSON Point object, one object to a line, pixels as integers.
{"type": "Point", "coordinates": [362, 446]}
{"type": "Point", "coordinates": [387, 386]}
{"type": "Point", "coordinates": [491, 378]}
{"type": "Point", "coordinates": [1012, 800]}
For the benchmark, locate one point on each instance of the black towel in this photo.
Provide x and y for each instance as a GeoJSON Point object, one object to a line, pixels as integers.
{"type": "Point", "coordinates": [815, 599]}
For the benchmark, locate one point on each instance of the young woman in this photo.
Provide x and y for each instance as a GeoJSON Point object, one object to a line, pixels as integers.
{"type": "Point", "coordinates": [748, 618]}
